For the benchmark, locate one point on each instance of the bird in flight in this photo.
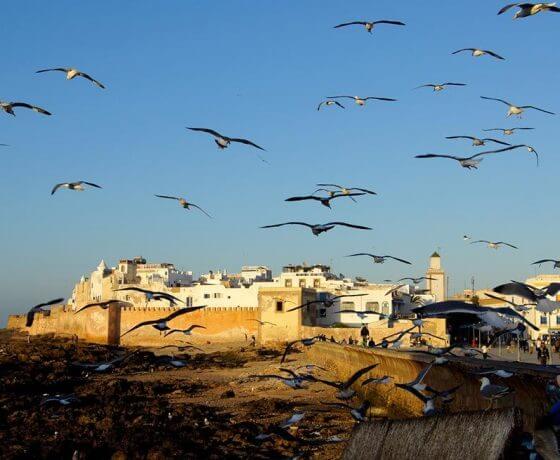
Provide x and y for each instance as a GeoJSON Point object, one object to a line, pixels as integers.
{"type": "Point", "coordinates": [345, 390]}
{"type": "Point", "coordinates": [345, 190]}
{"type": "Point", "coordinates": [73, 73]}
{"type": "Point", "coordinates": [530, 9]}
{"type": "Point", "coordinates": [153, 295]}
{"type": "Point", "coordinates": [439, 86]}
{"type": "Point", "coordinates": [471, 162]}
{"type": "Point", "coordinates": [370, 25]}
{"type": "Point", "coordinates": [358, 413]}
{"type": "Point", "coordinates": [76, 186]}
{"type": "Point", "coordinates": [477, 142]}
{"type": "Point", "coordinates": [325, 201]}
{"type": "Point", "coordinates": [317, 229]}
{"type": "Point", "coordinates": [161, 323]}
{"type": "Point", "coordinates": [477, 52]}
{"type": "Point", "coordinates": [39, 308]}
{"type": "Point", "coordinates": [362, 100]}
{"type": "Point", "coordinates": [262, 323]}
{"type": "Point", "coordinates": [533, 294]}
{"type": "Point", "coordinates": [223, 141]}
{"type": "Point", "coordinates": [103, 366]}
{"type": "Point", "coordinates": [379, 259]}
{"type": "Point", "coordinates": [187, 331]}
{"type": "Point", "coordinates": [556, 263]}
{"type": "Point", "coordinates": [184, 203]}
{"type": "Point", "coordinates": [416, 280]}
{"type": "Point", "coordinates": [102, 305]}
{"type": "Point", "coordinates": [8, 107]}
{"type": "Point", "coordinates": [329, 103]}
{"type": "Point", "coordinates": [328, 303]}
{"type": "Point", "coordinates": [516, 109]}
{"type": "Point", "coordinates": [507, 131]}
{"type": "Point", "coordinates": [495, 244]}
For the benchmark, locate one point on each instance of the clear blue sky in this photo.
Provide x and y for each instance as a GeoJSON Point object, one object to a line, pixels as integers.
{"type": "Point", "coordinates": [258, 69]}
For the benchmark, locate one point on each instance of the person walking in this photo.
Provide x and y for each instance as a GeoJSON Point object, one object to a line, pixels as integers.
{"type": "Point", "coordinates": [365, 335]}
{"type": "Point", "coordinates": [544, 355]}
{"type": "Point", "coordinates": [484, 350]}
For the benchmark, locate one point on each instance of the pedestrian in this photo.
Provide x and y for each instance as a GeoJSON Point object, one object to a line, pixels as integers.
{"type": "Point", "coordinates": [371, 343]}
{"type": "Point", "coordinates": [253, 341]}
{"type": "Point", "coordinates": [484, 350]}
{"type": "Point", "coordinates": [545, 355]}
{"type": "Point", "coordinates": [332, 339]}
{"type": "Point", "coordinates": [350, 341]}
{"type": "Point", "coordinates": [365, 335]}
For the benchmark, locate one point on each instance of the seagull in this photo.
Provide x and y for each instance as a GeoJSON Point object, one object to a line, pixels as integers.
{"type": "Point", "coordinates": [533, 294]}
{"type": "Point", "coordinates": [40, 308]}
{"type": "Point", "coordinates": [530, 149]}
{"type": "Point", "coordinates": [519, 308]}
{"type": "Point", "coordinates": [295, 418]}
{"type": "Point", "coordinates": [440, 86]}
{"type": "Point", "coordinates": [171, 361]}
{"type": "Point", "coordinates": [357, 413]}
{"type": "Point", "coordinates": [310, 367]}
{"type": "Point", "coordinates": [530, 9]}
{"type": "Point", "coordinates": [317, 229]}
{"type": "Point", "coordinates": [471, 162]}
{"type": "Point", "coordinates": [306, 342]}
{"type": "Point", "coordinates": [187, 331]}
{"type": "Point", "coordinates": [161, 323]}
{"type": "Point", "coordinates": [493, 392]}
{"type": "Point", "coordinates": [103, 305]}
{"type": "Point", "coordinates": [8, 107]}
{"type": "Point", "coordinates": [183, 203]}
{"type": "Point", "coordinates": [223, 141]}
{"type": "Point", "coordinates": [556, 263]}
{"type": "Point", "coordinates": [497, 372]}
{"type": "Point", "coordinates": [76, 186]}
{"type": "Point", "coordinates": [296, 381]}
{"type": "Point", "coordinates": [417, 280]}
{"type": "Point", "coordinates": [363, 314]}
{"type": "Point", "coordinates": [370, 25]}
{"type": "Point", "coordinates": [328, 303]}
{"type": "Point", "coordinates": [153, 295]}
{"type": "Point", "coordinates": [507, 131]}
{"type": "Point", "coordinates": [345, 390]}
{"type": "Point", "coordinates": [73, 73]}
{"type": "Point", "coordinates": [416, 387]}
{"type": "Point", "coordinates": [514, 109]}
{"type": "Point", "coordinates": [103, 366]}
{"type": "Point", "coordinates": [476, 142]}
{"type": "Point", "coordinates": [477, 52]}
{"type": "Point", "coordinates": [329, 103]}
{"type": "Point", "coordinates": [325, 201]}
{"type": "Point", "coordinates": [379, 259]}
{"type": "Point", "coordinates": [377, 380]}
{"type": "Point", "coordinates": [262, 323]}
{"type": "Point", "coordinates": [361, 101]}
{"type": "Point", "coordinates": [347, 190]}
{"type": "Point", "coordinates": [489, 315]}
{"type": "Point", "coordinates": [63, 400]}
{"type": "Point", "coordinates": [495, 244]}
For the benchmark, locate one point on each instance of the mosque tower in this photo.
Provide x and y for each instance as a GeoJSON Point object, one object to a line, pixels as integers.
{"type": "Point", "coordinates": [437, 284]}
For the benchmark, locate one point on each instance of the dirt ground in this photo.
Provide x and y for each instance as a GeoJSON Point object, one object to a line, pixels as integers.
{"type": "Point", "coordinates": [144, 408]}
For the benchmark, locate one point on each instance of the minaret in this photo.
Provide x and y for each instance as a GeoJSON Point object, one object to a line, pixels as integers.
{"type": "Point", "coordinates": [437, 284]}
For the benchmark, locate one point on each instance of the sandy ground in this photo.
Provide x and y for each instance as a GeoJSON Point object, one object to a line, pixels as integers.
{"type": "Point", "coordinates": [210, 408]}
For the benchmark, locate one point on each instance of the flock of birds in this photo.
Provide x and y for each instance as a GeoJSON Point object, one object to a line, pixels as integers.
{"type": "Point", "coordinates": [499, 321]}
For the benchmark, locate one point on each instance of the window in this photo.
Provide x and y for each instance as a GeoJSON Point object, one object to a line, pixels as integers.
{"type": "Point", "coordinates": [206, 296]}
{"type": "Point", "coordinates": [217, 295]}
{"type": "Point", "coordinates": [557, 320]}
{"type": "Point", "coordinates": [386, 308]}
{"type": "Point", "coordinates": [323, 312]}
{"type": "Point", "coordinates": [316, 283]}
{"type": "Point", "coordinates": [372, 306]}
{"type": "Point", "coordinates": [279, 306]}
{"type": "Point", "coordinates": [288, 283]}
{"type": "Point", "coordinates": [302, 283]}
{"type": "Point", "coordinates": [347, 305]}
{"type": "Point", "coordinates": [543, 319]}
{"type": "Point", "coordinates": [188, 302]}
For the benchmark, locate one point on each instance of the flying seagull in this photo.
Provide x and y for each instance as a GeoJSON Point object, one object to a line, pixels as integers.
{"type": "Point", "coordinates": [518, 307]}
{"type": "Point", "coordinates": [73, 73]}
{"type": "Point", "coordinates": [507, 131]}
{"type": "Point", "coordinates": [379, 259]}
{"type": "Point", "coordinates": [306, 342]}
{"type": "Point", "coordinates": [478, 142]}
{"type": "Point", "coordinates": [345, 390]}
{"type": "Point", "coordinates": [187, 331]}
{"type": "Point", "coordinates": [262, 323]}
{"type": "Point", "coordinates": [161, 323]}
{"type": "Point", "coordinates": [105, 365]}
{"type": "Point", "coordinates": [184, 203]}
{"type": "Point", "coordinates": [497, 372]}
{"type": "Point", "coordinates": [416, 280]}
{"type": "Point", "coordinates": [328, 303]}
{"type": "Point", "coordinates": [294, 381]}
{"type": "Point", "coordinates": [329, 103]}
{"type": "Point", "coordinates": [317, 229]}
{"type": "Point", "coordinates": [103, 305]}
{"type": "Point", "coordinates": [495, 244]}
{"type": "Point", "coordinates": [477, 52]}
{"type": "Point", "coordinates": [8, 107]}
{"type": "Point", "coordinates": [471, 162]}
{"type": "Point", "coordinates": [370, 25]}
{"type": "Point", "coordinates": [386, 379]}
{"type": "Point", "coordinates": [223, 141]}
{"type": "Point", "coordinates": [530, 149]}
{"type": "Point", "coordinates": [556, 263]}
{"type": "Point", "coordinates": [325, 201]}
{"type": "Point", "coordinates": [39, 308]}
{"type": "Point", "coordinates": [516, 109]}
{"type": "Point", "coordinates": [530, 9]}
{"type": "Point", "coordinates": [76, 186]}
{"type": "Point", "coordinates": [63, 400]}
{"type": "Point", "coordinates": [347, 190]}
{"type": "Point", "coordinates": [153, 295]}
{"type": "Point", "coordinates": [362, 100]}
{"type": "Point", "coordinates": [533, 294]}
{"type": "Point", "coordinates": [357, 413]}
{"type": "Point", "coordinates": [440, 86]}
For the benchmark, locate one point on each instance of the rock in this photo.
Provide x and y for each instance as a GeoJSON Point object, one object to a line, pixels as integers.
{"type": "Point", "coordinates": [228, 394]}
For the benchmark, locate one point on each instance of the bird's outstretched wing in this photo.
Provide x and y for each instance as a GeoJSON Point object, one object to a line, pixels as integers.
{"type": "Point", "coordinates": [434, 155]}
{"type": "Point", "coordinates": [361, 23]}
{"type": "Point", "coordinates": [93, 80]}
{"type": "Point", "coordinates": [91, 184]}
{"type": "Point", "coordinates": [139, 325]}
{"type": "Point", "coordinates": [247, 142]}
{"type": "Point", "coordinates": [536, 108]}
{"type": "Point", "coordinates": [543, 261]}
{"type": "Point", "coordinates": [168, 197]}
{"type": "Point", "coordinates": [29, 106]}
{"type": "Point", "coordinates": [56, 69]}
{"type": "Point", "coordinates": [385, 21]}
{"type": "Point", "coordinates": [304, 198]}
{"type": "Point", "coordinates": [497, 56]}
{"type": "Point", "coordinates": [344, 224]}
{"type": "Point", "coordinates": [508, 7]}
{"type": "Point", "coordinates": [498, 100]}
{"type": "Point", "coordinates": [488, 152]}
{"type": "Point", "coordinates": [516, 288]}
{"type": "Point", "coordinates": [399, 260]}
{"type": "Point", "coordinates": [356, 375]}
{"type": "Point", "coordinates": [449, 83]}
{"type": "Point", "coordinates": [506, 244]}
{"type": "Point", "coordinates": [461, 137]}
{"type": "Point", "coordinates": [200, 209]}
{"type": "Point", "coordinates": [388, 99]}
{"type": "Point", "coordinates": [181, 311]}
{"type": "Point", "coordinates": [496, 141]}
{"type": "Point", "coordinates": [463, 49]}
{"type": "Point", "coordinates": [288, 223]}
{"type": "Point", "coordinates": [207, 130]}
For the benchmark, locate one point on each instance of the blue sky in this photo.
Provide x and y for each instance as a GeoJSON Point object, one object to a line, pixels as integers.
{"type": "Point", "coordinates": [258, 69]}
